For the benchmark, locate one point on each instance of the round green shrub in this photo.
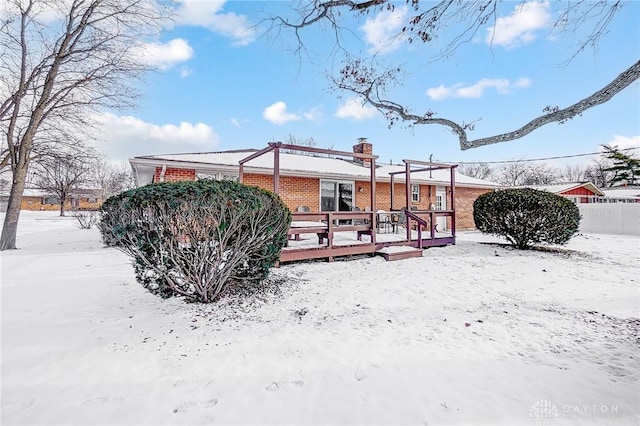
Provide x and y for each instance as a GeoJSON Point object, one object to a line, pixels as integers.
{"type": "Point", "coordinates": [526, 216]}
{"type": "Point", "coordinates": [195, 238]}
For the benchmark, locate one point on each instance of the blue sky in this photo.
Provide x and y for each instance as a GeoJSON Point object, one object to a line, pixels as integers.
{"type": "Point", "coordinates": [222, 83]}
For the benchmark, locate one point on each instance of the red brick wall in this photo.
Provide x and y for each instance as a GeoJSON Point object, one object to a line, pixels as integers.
{"type": "Point", "coordinates": [173, 174]}
{"type": "Point", "coordinates": [35, 203]}
{"type": "Point", "coordinates": [301, 191]}
{"type": "Point", "coordinates": [383, 196]}
{"type": "Point", "coordinates": [294, 191]}
{"type": "Point", "coordinates": [363, 148]}
{"type": "Point", "coordinates": [464, 206]}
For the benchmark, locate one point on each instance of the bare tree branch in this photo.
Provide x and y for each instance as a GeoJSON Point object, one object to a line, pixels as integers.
{"type": "Point", "coordinates": [427, 22]}
{"type": "Point", "coordinates": [362, 80]}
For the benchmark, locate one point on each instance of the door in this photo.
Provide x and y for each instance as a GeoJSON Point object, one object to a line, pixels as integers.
{"type": "Point", "coordinates": [441, 204]}
{"type": "Point", "coordinates": [336, 196]}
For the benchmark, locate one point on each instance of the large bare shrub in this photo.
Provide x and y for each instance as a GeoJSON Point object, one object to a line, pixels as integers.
{"type": "Point", "coordinates": [196, 238]}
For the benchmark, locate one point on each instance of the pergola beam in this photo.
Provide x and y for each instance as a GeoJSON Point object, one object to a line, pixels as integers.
{"type": "Point", "coordinates": [323, 151]}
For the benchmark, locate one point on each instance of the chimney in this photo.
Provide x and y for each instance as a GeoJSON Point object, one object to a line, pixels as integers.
{"type": "Point", "coordinates": [363, 147]}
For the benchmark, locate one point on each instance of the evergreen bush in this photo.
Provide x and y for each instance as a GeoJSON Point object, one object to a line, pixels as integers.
{"type": "Point", "coordinates": [195, 238]}
{"type": "Point", "coordinates": [526, 216]}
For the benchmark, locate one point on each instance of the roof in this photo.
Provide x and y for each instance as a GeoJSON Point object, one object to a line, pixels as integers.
{"type": "Point", "coordinates": [622, 192]}
{"type": "Point", "coordinates": [565, 187]}
{"type": "Point", "coordinates": [292, 164]}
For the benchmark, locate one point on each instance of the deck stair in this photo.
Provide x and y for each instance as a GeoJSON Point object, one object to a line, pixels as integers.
{"type": "Point", "coordinates": [399, 252]}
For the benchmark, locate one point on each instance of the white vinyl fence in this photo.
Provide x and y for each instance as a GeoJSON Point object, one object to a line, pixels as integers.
{"type": "Point", "coordinates": [610, 218]}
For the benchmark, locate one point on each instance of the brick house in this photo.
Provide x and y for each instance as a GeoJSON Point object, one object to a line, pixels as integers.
{"type": "Point", "coordinates": [321, 182]}
{"type": "Point", "coordinates": [36, 199]}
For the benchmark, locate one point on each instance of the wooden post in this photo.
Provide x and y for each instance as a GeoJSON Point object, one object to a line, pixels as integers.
{"type": "Point", "coordinates": [392, 179]}
{"type": "Point", "coordinates": [453, 201]}
{"type": "Point", "coordinates": [241, 173]}
{"type": "Point", "coordinates": [276, 170]}
{"type": "Point", "coordinates": [407, 182]}
{"type": "Point", "coordinates": [373, 200]}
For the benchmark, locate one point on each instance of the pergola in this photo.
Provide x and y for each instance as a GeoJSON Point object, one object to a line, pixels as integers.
{"type": "Point", "coordinates": [429, 167]}
{"type": "Point", "coordinates": [327, 224]}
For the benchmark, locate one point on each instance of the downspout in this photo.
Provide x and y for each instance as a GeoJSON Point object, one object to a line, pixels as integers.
{"type": "Point", "coordinates": [162, 172]}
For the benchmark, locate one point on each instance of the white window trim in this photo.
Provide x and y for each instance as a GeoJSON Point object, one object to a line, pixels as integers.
{"type": "Point", "coordinates": [216, 175]}
{"type": "Point", "coordinates": [415, 196]}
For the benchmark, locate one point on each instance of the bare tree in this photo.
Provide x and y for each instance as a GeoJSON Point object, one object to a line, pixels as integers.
{"type": "Point", "coordinates": [111, 179]}
{"type": "Point", "coordinates": [62, 175]}
{"type": "Point", "coordinates": [520, 173]}
{"type": "Point", "coordinates": [60, 61]}
{"type": "Point", "coordinates": [598, 172]}
{"type": "Point", "coordinates": [430, 20]}
{"type": "Point", "coordinates": [294, 140]}
{"type": "Point", "coordinates": [573, 173]}
{"type": "Point", "coordinates": [476, 170]}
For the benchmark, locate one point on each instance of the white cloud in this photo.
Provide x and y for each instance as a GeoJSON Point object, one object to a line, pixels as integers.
{"type": "Point", "coordinates": [126, 136]}
{"type": "Point", "coordinates": [354, 108]}
{"type": "Point", "coordinates": [185, 72]}
{"type": "Point", "coordinates": [164, 55]}
{"type": "Point", "coordinates": [239, 123]}
{"type": "Point", "coordinates": [624, 142]}
{"type": "Point", "coordinates": [313, 114]}
{"type": "Point", "coordinates": [277, 114]}
{"type": "Point", "coordinates": [520, 27]}
{"type": "Point", "coordinates": [208, 14]}
{"type": "Point", "coordinates": [383, 32]}
{"type": "Point", "coordinates": [502, 86]}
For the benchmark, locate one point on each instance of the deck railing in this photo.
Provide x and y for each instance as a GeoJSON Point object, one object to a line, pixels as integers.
{"type": "Point", "coordinates": [426, 219]}
{"type": "Point", "coordinates": [325, 224]}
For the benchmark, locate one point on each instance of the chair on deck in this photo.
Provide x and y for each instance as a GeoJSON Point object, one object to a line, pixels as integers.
{"type": "Point", "coordinates": [358, 221]}
{"type": "Point", "coordinates": [395, 221]}
{"type": "Point", "coordinates": [383, 221]}
{"type": "Point", "coordinates": [402, 220]}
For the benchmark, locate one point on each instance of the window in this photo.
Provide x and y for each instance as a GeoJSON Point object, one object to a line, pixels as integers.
{"type": "Point", "coordinates": [336, 196]}
{"type": "Point", "coordinates": [50, 200]}
{"type": "Point", "coordinates": [216, 176]}
{"type": "Point", "coordinates": [439, 202]}
{"type": "Point", "coordinates": [415, 193]}
{"type": "Point", "coordinates": [230, 177]}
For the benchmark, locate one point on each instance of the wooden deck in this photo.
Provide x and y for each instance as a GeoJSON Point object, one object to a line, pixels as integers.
{"type": "Point", "coordinates": [331, 235]}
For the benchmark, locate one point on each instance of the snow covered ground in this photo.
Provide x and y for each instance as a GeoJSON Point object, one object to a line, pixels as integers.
{"type": "Point", "coordinates": [469, 334]}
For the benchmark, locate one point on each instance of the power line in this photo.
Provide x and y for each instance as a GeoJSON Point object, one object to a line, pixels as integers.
{"type": "Point", "coordinates": [535, 159]}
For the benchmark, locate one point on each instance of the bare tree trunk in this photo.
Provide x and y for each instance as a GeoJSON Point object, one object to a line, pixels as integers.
{"type": "Point", "coordinates": [10, 226]}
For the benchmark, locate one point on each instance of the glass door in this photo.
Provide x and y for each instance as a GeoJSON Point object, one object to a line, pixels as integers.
{"type": "Point", "coordinates": [336, 196]}
{"type": "Point", "coordinates": [345, 197]}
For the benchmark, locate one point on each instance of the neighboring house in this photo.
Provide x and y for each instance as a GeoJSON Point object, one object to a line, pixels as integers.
{"type": "Point", "coordinates": [36, 199]}
{"type": "Point", "coordinates": [323, 183]}
{"type": "Point", "coordinates": [621, 194]}
{"type": "Point", "coordinates": [583, 192]}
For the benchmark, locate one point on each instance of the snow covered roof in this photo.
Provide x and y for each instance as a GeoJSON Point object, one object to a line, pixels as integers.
{"type": "Point", "coordinates": [292, 164]}
{"type": "Point", "coordinates": [564, 187]}
{"type": "Point", "coordinates": [622, 192]}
